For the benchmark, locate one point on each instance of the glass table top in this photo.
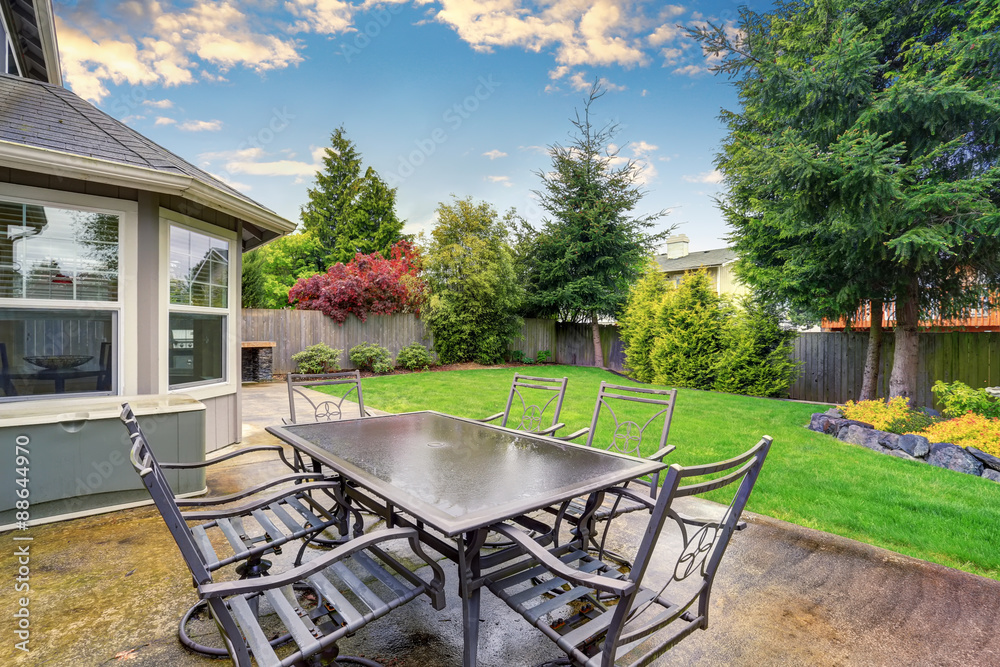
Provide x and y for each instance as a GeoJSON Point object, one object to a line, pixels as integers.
{"type": "Point", "coordinates": [459, 474]}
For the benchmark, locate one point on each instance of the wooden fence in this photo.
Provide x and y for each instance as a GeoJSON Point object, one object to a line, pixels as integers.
{"type": "Point", "coordinates": [294, 330]}
{"type": "Point", "coordinates": [833, 364]}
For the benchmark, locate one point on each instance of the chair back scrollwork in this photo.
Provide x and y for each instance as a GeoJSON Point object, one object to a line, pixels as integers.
{"type": "Point", "coordinates": [332, 409]}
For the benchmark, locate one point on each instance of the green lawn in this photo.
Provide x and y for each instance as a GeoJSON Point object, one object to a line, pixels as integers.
{"type": "Point", "coordinates": [809, 478]}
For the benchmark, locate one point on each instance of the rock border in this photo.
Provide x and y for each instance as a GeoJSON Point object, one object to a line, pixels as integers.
{"type": "Point", "coordinates": [968, 460]}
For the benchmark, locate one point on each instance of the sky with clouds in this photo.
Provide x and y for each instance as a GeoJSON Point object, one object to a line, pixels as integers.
{"type": "Point", "coordinates": [441, 97]}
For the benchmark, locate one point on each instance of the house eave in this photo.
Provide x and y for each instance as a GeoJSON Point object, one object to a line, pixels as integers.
{"type": "Point", "coordinates": [50, 44]}
{"type": "Point", "coordinates": [68, 165]}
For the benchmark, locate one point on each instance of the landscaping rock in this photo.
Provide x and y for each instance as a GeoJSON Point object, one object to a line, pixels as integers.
{"type": "Point", "coordinates": [914, 445]}
{"type": "Point", "coordinates": [890, 440]}
{"type": "Point", "coordinates": [824, 423]}
{"type": "Point", "coordinates": [988, 460]}
{"type": "Point", "coordinates": [991, 474]}
{"type": "Point", "coordinates": [900, 454]}
{"type": "Point", "coordinates": [953, 457]}
{"type": "Point", "coordinates": [835, 413]}
{"type": "Point", "coordinates": [858, 435]}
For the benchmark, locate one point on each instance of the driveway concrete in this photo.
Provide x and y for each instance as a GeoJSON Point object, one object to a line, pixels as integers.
{"type": "Point", "coordinates": [111, 588]}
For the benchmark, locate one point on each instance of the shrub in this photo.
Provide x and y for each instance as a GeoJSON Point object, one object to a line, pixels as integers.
{"type": "Point", "coordinates": [959, 398]}
{"type": "Point", "coordinates": [638, 326]}
{"type": "Point", "coordinates": [318, 358]}
{"type": "Point", "coordinates": [543, 356]}
{"type": "Point", "coordinates": [368, 284]}
{"type": "Point", "coordinates": [372, 357]}
{"type": "Point", "coordinates": [969, 429]}
{"type": "Point", "coordinates": [756, 357]}
{"type": "Point", "coordinates": [880, 414]}
{"type": "Point", "coordinates": [414, 357]}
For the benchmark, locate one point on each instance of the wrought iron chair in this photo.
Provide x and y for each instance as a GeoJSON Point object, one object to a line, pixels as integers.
{"type": "Point", "coordinates": [325, 410]}
{"type": "Point", "coordinates": [6, 383]}
{"type": "Point", "coordinates": [104, 380]}
{"type": "Point", "coordinates": [345, 601]}
{"type": "Point", "coordinates": [527, 405]}
{"type": "Point", "coordinates": [602, 617]}
{"type": "Point", "coordinates": [618, 433]}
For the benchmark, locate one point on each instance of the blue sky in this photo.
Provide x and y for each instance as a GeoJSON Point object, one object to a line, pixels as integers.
{"type": "Point", "coordinates": [441, 97]}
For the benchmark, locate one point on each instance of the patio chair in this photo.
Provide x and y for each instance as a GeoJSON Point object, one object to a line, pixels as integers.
{"type": "Point", "coordinates": [355, 583]}
{"type": "Point", "coordinates": [325, 410]}
{"type": "Point", "coordinates": [527, 403]}
{"type": "Point", "coordinates": [600, 616]}
{"type": "Point", "coordinates": [611, 429]}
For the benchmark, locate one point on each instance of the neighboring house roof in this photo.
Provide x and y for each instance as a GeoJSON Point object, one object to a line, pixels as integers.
{"type": "Point", "coordinates": [49, 129]}
{"type": "Point", "coordinates": [33, 41]}
{"type": "Point", "coordinates": [696, 260]}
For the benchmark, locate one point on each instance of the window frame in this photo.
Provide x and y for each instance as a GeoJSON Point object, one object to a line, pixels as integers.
{"type": "Point", "coordinates": [125, 328]}
{"type": "Point", "coordinates": [231, 362]}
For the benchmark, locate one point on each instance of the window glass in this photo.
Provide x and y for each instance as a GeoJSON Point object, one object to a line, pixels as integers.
{"type": "Point", "coordinates": [55, 253]}
{"type": "Point", "coordinates": [197, 349]}
{"type": "Point", "coordinates": [199, 269]}
{"type": "Point", "coordinates": [56, 351]}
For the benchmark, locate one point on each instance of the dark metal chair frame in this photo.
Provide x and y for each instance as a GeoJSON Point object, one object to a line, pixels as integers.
{"type": "Point", "coordinates": [532, 410]}
{"type": "Point", "coordinates": [234, 604]}
{"type": "Point", "coordinates": [597, 614]}
{"type": "Point", "coordinates": [327, 410]}
{"type": "Point", "coordinates": [6, 382]}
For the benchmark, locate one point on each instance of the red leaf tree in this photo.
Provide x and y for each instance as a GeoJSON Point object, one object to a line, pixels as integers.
{"type": "Point", "coordinates": [368, 284]}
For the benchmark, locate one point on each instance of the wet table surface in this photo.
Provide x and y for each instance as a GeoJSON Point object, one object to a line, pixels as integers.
{"type": "Point", "coordinates": [459, 474]}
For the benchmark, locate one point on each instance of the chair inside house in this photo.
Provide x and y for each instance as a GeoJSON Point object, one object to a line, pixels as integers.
{"type": "Point", "coordinates": [313, 603]}
{"type": "Point", "coordinates": [312, 408]}
{"type": "Point", "coordinates": [6, 383]}
{"type": "Point", "coordinates": [104, 380]}
{"type": "Point", "coordinates": [600, 615]}
{"type": "Point", "coordinates": [627, 420]}
{"type": "Point", "coordinates": [533, 405]}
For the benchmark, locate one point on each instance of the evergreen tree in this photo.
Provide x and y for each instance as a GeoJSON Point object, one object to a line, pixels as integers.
{"type": "Point", "coordinates": [349, 212]}
{"type": "Point", "coordinates": [863, 165]}
{"type": "Point", "coordinates": [638, 327]}
{"type": "Point", "coordinates": [593, 247]}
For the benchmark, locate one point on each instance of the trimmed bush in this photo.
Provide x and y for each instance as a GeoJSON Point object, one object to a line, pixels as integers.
{"type": "Point", "coordinates": [756, 358]}
{"type": "Point", "coordinates": [543, 356]}
{"type": "Point", "coordinates": [372, 357]}
{"type": "Point", "coordinates": [318, 358]}
{"type": "Point", "coordinates": [414, 357]}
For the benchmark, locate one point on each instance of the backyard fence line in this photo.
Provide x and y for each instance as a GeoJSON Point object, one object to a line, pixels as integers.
{"type": "Point", "coordinates": [833, 364]}
{"type": "Point", "coordinates": [831, 372]}
{"type": "Point", "coordinates": [294, 330]}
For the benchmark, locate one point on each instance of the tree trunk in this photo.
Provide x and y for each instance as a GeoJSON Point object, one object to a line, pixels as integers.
{"type": "Point", "coordinates": [904, 365]}
{"type": "Point", "coordinates": [598, 352]}
{"type": "Point", "coordinates": [870, 384]}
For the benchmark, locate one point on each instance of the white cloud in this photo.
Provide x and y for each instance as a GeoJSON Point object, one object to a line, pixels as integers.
{"type": "Point", "coordinates": [239, 154]}
{"type": "Point", "coordinates": [275, 168]}
{"type": "Point", "coordinates": [159, 104]}
{"type": "Point", "coordinates": [494, 154]}
{"type": "Point", "coordinates": [200, 126]}
{"type": "Point", "coordinates": [327, 17]}
{"type": "Point", "coordinates": [503, 180]}
{"type": "Point", "coordinates": [714, 177]}
{"type": "Point", "coordinates": [580, 81]}
{"type": "Point", "coordinates": [163, 120]}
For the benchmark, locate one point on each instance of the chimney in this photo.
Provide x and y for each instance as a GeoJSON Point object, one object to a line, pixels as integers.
{"type": "Point", "coordinates": [677, 246]}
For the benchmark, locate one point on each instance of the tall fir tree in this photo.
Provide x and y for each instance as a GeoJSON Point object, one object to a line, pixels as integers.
{"type": "Point", "coordinates": [593, 247]}
{"type": "Point", "coordinates": [863, 164]}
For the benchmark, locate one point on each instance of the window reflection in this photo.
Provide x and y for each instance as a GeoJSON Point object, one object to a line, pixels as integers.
{"type": "Point", "coordinates": [197, 348]}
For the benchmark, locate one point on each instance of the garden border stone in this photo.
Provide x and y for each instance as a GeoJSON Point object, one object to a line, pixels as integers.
{"type": "Point", "coordinates": [968, 460]}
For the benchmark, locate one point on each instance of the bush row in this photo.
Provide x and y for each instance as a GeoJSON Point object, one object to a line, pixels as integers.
{"type": "Point", "coordinates": [321, 358]}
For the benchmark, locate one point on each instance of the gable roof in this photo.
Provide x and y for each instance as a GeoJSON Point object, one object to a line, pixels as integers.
{"type": "Point", "coordinates": [48, 129]}
{"type": "Point", "coordinates": [31, 27]}
{"type": "Point", "coordinates": [696, 260]}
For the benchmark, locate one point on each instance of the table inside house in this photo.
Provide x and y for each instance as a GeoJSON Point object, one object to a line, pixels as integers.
{"type": "Point", "coordinates": [457, 476]}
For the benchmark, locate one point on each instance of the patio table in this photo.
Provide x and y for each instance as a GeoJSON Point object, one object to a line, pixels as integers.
{"type": "Point", "coordinates": [456, 476]}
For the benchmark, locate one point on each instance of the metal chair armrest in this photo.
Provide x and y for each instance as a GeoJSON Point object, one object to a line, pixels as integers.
{"type": "Point", "coordinates": [645, 501]}
{"type": "Point", "coordinates": [257, 504]}
{"type": "Point", "coordinates": [230, 455]}
{"type": "Point", "coordinates": [492, 418]}
{"type": "Point", "coordinates": [222, 500]}
{"type": "Point", "coordinates": [700, 521]}
{"type": "Point", "coordinates": [291, 576]}
{"type": "Point", "coordinates": [556, 566]}
{"type": "Point", "coordinates": [574, 436]}
{"type": "Point", "coordinates": [658, 456]}
{"type": "Point", "coordinates": [552, 429]}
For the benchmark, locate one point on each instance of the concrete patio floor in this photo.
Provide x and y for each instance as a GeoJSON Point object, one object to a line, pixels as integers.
{"type": "Point", "coordinates": [111, 588]}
